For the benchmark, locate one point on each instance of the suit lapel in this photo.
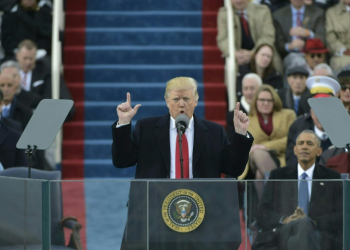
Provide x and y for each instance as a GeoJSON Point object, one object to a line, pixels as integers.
{"type": "Point", "coordinates": [292, 192]}
{"type": "Point", "coordinates": [289, 99]}
{"type": "Point", "coordinates": [200, 139]}
{"type": "Point", "coordinates": [34, 77]}
{"type": "Point", "coordinates": [237, 28]}
{"type": "Point", "coordinates": [254, 125]}
{"type": "Point", "coordinates": [316, 190]}
{"type": "Point", "coordinates": [251, 22]}
{"type": "Point", "coordinates": [307, 17]}
{"type": "Point", "coordinates": [344, 17]}
{"type": "Point", "coordinates": [276, 119]}
{"type": "Point", "coordinates": [288, 23]}
{"type": "Point", "coordinates": [163, 139]}
{"type": "Point", "coordinates": [3, 133]}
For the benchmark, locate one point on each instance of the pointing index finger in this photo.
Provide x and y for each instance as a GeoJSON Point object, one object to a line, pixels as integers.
{"type": "Point", "coordinates": [237, 106]}
{"type": "Point", "coordinates": [128, 98]}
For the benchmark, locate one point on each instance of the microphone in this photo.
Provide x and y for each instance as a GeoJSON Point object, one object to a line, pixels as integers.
{"type": "Point", "coordinates": [181, 123]}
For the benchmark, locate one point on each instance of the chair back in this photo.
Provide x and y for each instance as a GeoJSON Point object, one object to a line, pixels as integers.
{"type": "Point", "coordinates": [25, 197]}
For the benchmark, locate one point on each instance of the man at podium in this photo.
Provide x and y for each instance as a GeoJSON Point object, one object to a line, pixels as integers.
{"type": "Point", "coordinates": [154, 147]}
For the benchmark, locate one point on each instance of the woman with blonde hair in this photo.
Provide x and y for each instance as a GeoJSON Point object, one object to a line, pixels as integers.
{"type": "Point", "coordinates": [269, 125]}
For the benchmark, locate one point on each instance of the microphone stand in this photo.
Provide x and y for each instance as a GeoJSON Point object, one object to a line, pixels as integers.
{"type": "Point", "coordinates": [180, 133]}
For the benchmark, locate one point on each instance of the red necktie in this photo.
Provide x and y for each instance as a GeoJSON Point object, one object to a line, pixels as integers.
{"type": "Point", "coordinates": [186, 164]}
{"type": "Point", "coordinates": [24, 80]}
{"type": "Point", "coordinates": [298, 19]}
{"type": "Point", "coordinates": [244, 24]}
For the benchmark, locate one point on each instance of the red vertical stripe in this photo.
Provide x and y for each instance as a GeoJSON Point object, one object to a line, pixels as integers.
{"type": "Point", "coordinates": [74, 60]}
{"type": "Point", "coordinates": [73, 131]}
{"type": "Point", "coordinates": [74, 205]}
{"type": "Point", "coordinates": [213, 65]}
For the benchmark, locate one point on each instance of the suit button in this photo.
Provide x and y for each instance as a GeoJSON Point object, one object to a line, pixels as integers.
{"type": "Point", "coordinates": [274, 230]}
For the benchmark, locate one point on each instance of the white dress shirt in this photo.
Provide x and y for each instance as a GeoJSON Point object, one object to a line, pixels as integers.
{"type": "Point", "coordinates": [322, 135]}
{"type": "Point", "coordinates": [310, 174]}
{"type": "Point", "coordinates": [8, 106]}
{"type": "Point", "coordinates": [190, 138]}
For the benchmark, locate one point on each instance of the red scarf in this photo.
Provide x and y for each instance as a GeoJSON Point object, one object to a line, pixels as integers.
{"type": "Point", "coordinates": [267, 128]}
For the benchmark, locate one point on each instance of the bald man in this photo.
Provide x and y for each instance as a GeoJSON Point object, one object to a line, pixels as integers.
{"type": "Point", "coordinates": [11, 107]}
{"type": "Point", "coordinates": [10, 156]}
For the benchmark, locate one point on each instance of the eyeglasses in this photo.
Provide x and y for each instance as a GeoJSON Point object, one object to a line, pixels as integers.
{"type": "Point", "coordinates": [344, 88]}
{"type": "Point", "coordinates": [317, 55]}
{"type": "Point", "coordinates": [265, 100]}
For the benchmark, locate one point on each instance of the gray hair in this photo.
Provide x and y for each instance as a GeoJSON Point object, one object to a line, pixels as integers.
{"type": "Point", "coordinates": [254, 76]}
{"type": "Point", "coordinates": [308, 131]}
{"type": "Point", "coordinates": [326, 67]}
{"type": "Point", "coordinates": [10, 64]}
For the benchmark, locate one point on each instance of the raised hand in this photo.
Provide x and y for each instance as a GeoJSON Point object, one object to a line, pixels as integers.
{"type": "Point", "coordinates": [240, 121]}
{"type": "Point", "coordinates": [125, 111]}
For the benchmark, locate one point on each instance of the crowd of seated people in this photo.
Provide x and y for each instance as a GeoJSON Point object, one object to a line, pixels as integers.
{"type": "Point", "coordinates": [25, 75]}
{"type": "Point", "coordinates": [312, 38]}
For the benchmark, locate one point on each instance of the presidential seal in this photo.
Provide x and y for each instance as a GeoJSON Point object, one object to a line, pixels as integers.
{"type": "Point", "coordinates": [183, 210]}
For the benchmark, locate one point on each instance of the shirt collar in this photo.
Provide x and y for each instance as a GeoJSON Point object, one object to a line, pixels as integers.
{"type": "Point", "coordinates": [7, 106]}
{"type": "Point", "coordinates": [319, 133]}
{"type": "Point", "coordinates": [245, 104]}
{"type": "Point", "coordinates": [347, 8]}
{"type": "Point", "coordinates": [245, 12]}
{"type": "Point", "coordinates": [295, 11]}
{"type": "Point", "coordinates": [172, 123]}
{"type": "Point", "coordinates": [309, 172]}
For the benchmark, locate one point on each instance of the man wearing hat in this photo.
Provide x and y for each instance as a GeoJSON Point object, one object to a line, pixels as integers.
{"type": "Point", "coordinates": [315, 52]}
{"type": "Point", "coordinates": [319, 86]}
{"type": "Point", "coordinates": [296, 78]}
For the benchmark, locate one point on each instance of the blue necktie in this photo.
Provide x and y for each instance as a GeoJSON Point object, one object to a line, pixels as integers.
{"type": "Point", "coordinates": [5, 112]}
{"type": "Point", "coordinates": [296, 104]}
{"type": "Point", "coordinates": [304, 194]}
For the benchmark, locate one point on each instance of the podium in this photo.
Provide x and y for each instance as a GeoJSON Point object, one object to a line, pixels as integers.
{"type": "Point", "coordinates": [183, 214]}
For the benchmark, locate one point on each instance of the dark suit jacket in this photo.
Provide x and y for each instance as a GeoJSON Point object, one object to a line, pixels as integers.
{"type": "Point", "coordinates": [41, 79]}
{"type": "Point", "coordinates": [149, 148]}
{"type": "Point", "coordinates": [280, 198]}
{"type": "Point", "coordinates": [313, 20]}
{"type": "Point", "coordinates": [34, 25]}
{"type": "Point", "coordinates": [20, 112]}
{"type": "Point", "coordinates": [30, 99]}
{"type": "Point", "coordinates": [41, 85]}
{"type": "Point", "coordinates": [10, 123]}
{"type": "Point", "coordinates": [287, 99]}
{"type": "Point", "coordinates": [10, 156]}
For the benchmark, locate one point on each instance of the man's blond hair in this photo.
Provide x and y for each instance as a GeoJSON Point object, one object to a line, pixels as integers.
{"type": "Point", "coordinates": [181, 83]}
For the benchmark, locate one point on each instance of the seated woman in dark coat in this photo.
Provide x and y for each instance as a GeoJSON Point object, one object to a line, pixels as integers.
{"type": "Point", "coordinates": [261, 64]}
